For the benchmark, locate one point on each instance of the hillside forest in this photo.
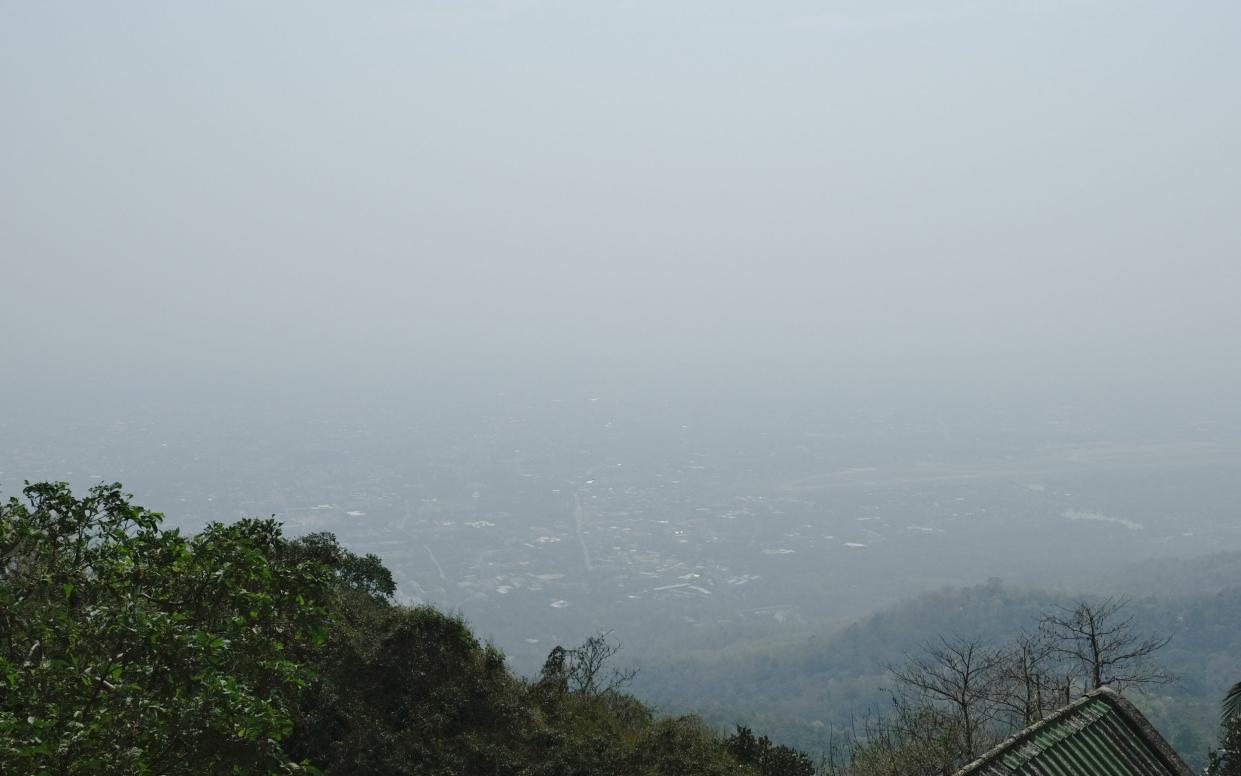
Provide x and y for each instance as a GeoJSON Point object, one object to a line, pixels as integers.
{"type": "Point", "coordinates": [128, 647]}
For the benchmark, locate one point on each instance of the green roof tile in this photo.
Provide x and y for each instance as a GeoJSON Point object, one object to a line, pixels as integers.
{"type": "Point", "coordinates": [1101, 734]}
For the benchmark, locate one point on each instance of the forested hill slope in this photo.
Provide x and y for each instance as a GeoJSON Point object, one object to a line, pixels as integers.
{"type": "Point", "coordinates": [809, 691]}
{"type": "Point", "coordinates": [1174, 576]}
{"type": "Point", "coordinates": [131, 649]}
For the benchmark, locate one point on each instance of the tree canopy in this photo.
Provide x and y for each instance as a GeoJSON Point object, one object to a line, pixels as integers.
{"type": "Point", "coordinates": [127, 647]}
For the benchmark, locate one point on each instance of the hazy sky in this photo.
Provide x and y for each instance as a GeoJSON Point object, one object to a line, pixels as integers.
{"type": "Point", "coordinates": [921, 187]}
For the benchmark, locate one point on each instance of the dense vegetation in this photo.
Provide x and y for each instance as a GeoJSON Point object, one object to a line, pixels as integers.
{"type": "Point", "coordinates": [126, 647]}
{"type": "Point", "coordinates": [129, 648]}
{"type": "Point", "coordinates": [816, 691]}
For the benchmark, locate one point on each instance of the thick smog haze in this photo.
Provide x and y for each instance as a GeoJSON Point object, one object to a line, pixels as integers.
{"type": "Point", "coordinates": [715, 324]}
{"type": "Point", "coordinates": [905, 190]}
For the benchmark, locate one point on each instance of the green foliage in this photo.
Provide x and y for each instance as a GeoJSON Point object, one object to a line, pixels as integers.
{"type": "Point", "coordinates": [1232, 703]}
{"type": "Point", "coordinates": [411, 690]}
{"type": "Point", "coordinates": [683, 746]}
{"type": "Point", "coordinates": [407, 690]}
{"type": "Point", "coordinates": [1226, 761]}
{"type": "Point", "coordinates": [767, 758]}
{"type": "Point", "coordinates": [127, 648]}
{"type": "Point", "coordinates": [805, 692]}
{"type": "Point", "coordinates": [909, 740]}
{"type": "Point", "coordinates": [363, 574]}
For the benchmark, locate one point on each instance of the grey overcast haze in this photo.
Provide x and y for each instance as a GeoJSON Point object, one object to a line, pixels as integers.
{"type": "Point", "coordinates": [919, 190]}
{"type": "Point", "coordinates": [704, 322]}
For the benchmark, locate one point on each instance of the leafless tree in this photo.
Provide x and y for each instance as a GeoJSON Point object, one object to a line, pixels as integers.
{"type": "Point", "coordinates": [960, 676]}
{"type": "Point", "coordinates": [1102, 640]}
{"type": "Point", "coordinates": [908, 739]}
{"type": "Point", "coordinates": [588, 666]}
{"type": "Point", "coordinates": [1032, 681]}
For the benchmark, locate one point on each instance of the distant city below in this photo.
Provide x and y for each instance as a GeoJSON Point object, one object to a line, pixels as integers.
{"type": "Point", "coordinates": [546, 522]}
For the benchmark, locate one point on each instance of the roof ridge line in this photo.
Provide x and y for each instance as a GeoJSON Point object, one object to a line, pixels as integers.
{"type": "Point", "coordinates": [1132, 716]}
{"type": "Point", "coordinates": [1145, 729]}
{"type": "Point", "coordinates": [1029, 732]}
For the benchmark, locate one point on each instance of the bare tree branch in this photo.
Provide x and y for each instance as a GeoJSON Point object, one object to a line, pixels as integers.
{"type": "Point", "coordinates": [1102, 639]}
{"type": "Point", "coordinates": [588, 670]}
{"type": "Point", "coordinates": [958, 675]}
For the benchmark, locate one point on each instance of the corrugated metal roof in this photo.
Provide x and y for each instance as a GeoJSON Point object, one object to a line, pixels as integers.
{"type": "Point", "coordinates": [1101, 734]}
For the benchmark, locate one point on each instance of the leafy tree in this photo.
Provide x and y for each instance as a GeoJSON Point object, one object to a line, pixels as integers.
{"type": "Point", "coordinates": [1232, 703]}
{"type": "Point", "coordinates": [408, 690]}
{"type": "Point", "coordinates": [351, 573]}
{"type": "Point", "coordinates": [767, 758]}
{"type": "Point", "coordinates": [1226, 761]}
{"type": "Point", "coordinates": [127, 648]}
{"type": "Point", "coordinates": [683, 746]}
